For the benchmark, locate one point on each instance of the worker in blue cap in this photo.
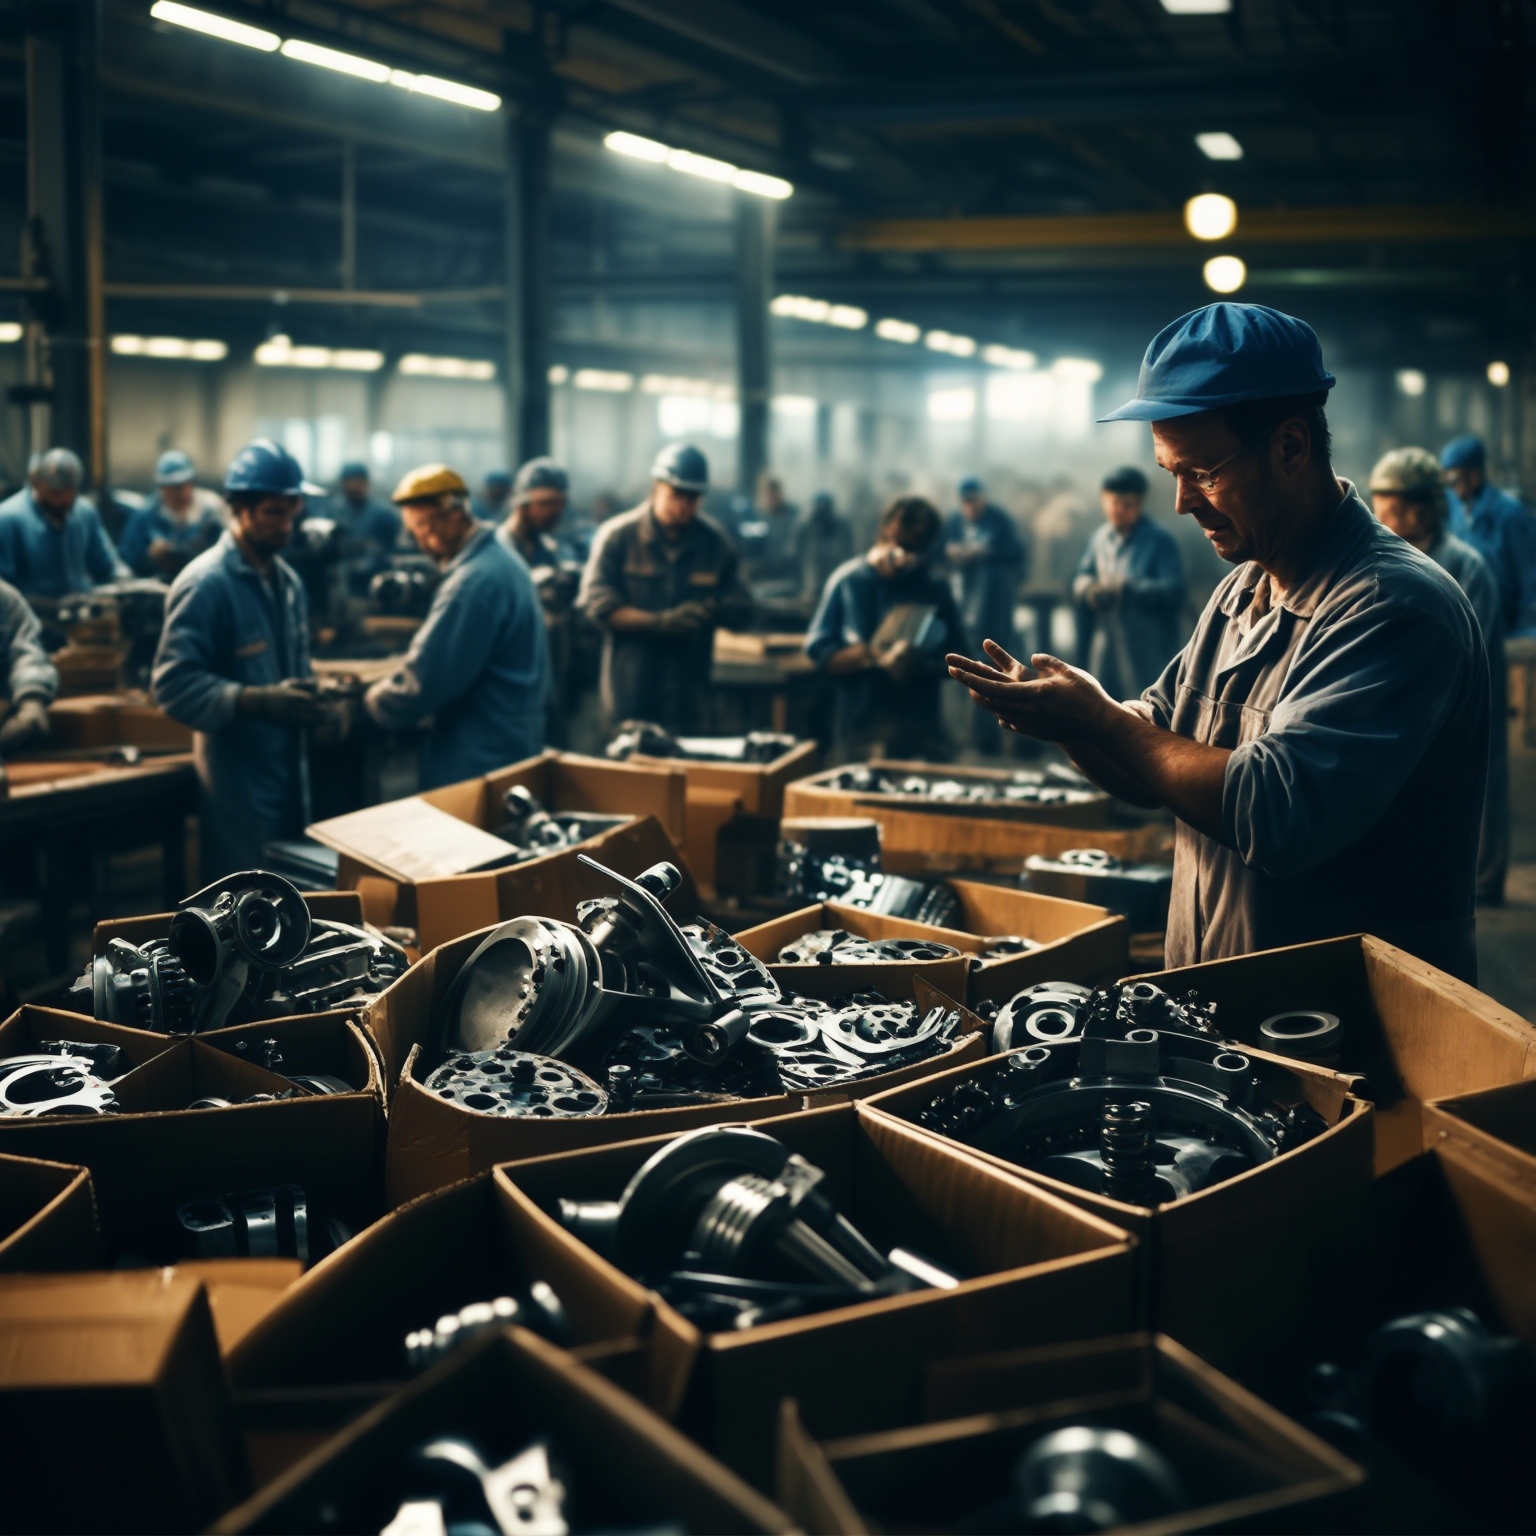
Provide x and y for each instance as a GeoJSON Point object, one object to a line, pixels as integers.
{"type": "Point", "coordinates": [1497, 526]}
{"type": "Point", "coordinates": [983, 545]}
{"type": "Point", "coordinates": [660, 580]}
{"type": "Point", "coordinates": [1323, 737]}
{"type": "Point", "coordinates": [233, 664]}
{"type": "Point", "coordinates": [370, 531]}
{"type": "Point", "coordinates": [52, 541]}
{"type": "Point", "coordinates": [1129, 590]}
{"type": "Point", "coordinates": [823, 541]}
{"type": "Point", "coordinates": [175, 525]}
{"type": "Point", "coordinates": [495, 496]}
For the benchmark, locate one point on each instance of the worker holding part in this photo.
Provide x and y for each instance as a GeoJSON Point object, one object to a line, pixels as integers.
{"type": "Point", "coordinates": [1497, 526]}
{"type": "Point", "coordinates": [233, 664]}
{"type": "Point", "coordinates": [31, 680]}
{"type": "Point", "coordinates": [1408, 495]}
{"type": "Point", "coordinates": [882, 627]}
{"type": "Point", "coordinates": [1323, 737]}
{"type": "Point", "coordinates": [1129, 588]}
{"type": "Point", "coordinates": [659, 581]}
{"type": "Point", "coordinates": [52, 542]}
{"type": "Point", "coordinates": [477, 671]}
{"type": "Point", "coordinates": [176, 526]}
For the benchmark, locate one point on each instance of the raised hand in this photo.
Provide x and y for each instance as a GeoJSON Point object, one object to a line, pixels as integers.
{"type": "Point", "coordinates": [1048, 700]}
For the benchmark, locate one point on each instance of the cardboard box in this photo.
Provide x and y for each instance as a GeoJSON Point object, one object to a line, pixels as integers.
{"type": "Point", "coordinates": [47, 1217]}
{"type": "Point", "coordinates": [627, 1469]}
{"type": "Point", "coordinates": [326, 906]}
{"type": "Point", "coordinates": [1499, 1124]}
{"type": "Point", "coordinates": [1043, 1270]}
{"type": "Point", "coordinates": [759, 786]}
{"type": "Point", "coordinates": [1221, 1269]}
{"type": "Point", "coordinates": [26, 1031]}
{"type": "Point", "coordinates": [114, 719]}
{"type": "Point", "coordinates": [1414, 1033]}
{"type": "Point", "coordinates": [1244, 1466]}
{"type": "Point", "coordinates": [240, 1291]}
{"type": "Point", "coordinates": [116, 1412]}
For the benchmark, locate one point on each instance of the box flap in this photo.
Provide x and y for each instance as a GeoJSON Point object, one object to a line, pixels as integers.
{"type": "Point", "coordinates": [410, 839]}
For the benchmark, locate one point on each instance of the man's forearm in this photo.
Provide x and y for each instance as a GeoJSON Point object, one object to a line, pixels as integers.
{"type": "Point", "coordinates": [1109, 775]}
{"type": "Point", "coordinates": [1186, 776]}
{"type": "Point", "coordinates": [629, 620]}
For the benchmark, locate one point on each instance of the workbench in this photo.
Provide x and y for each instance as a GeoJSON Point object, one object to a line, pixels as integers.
{"type": "Point", "coordinates": [770, 683]}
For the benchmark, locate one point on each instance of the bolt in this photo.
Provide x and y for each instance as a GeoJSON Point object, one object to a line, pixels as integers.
{"type": "Point", "coordinates": [1127, 1140]}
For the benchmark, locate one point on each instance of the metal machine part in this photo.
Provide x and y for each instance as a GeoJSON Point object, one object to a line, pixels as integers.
{"type": "Point", "coordinates": [1304, 1034]}
{"type": "Point", "coordinates": [920, 901]}
{"type": "Point", "coordinates": [258, 1224]}
{"type": "Point", "coordinates": [1086, 1478]}
{"type": "Point", "coordinates": [734, 971]}
{"type": "Point", "coordinates": [532, 830]}
{"type": "Point", "coordinates": [958, 790]}
{"type": "Point", "coordinates": [54, 1083]}
{"type": "Point", "coordinates": [1120, 1108]}
{"type": "Point", "coordinates": [509, 1083]}
{"type": "Point", "coordinates": [1043, 1014]}
{"type": "Point", "coordinates": [836, 946]}
{"type": "Point", "coordinates": [1004, 946]}
{"type": "Point", "coordinates": [454, 1490]}
{"type": "Point", "coordinates": [727, 1217]}
{"type": "Point", "coordinates": [405, 591]}
{"type": "Point", "coordinates": [535, 1307]}
{"type": "Point", "coordinates": [105, 1061]}
{"type": "Point", "coordinates": [1139, 892]}
{"type": "Point", "coordinates": [646, 739]}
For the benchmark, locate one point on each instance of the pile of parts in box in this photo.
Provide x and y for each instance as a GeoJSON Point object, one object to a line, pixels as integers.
{"type": "Point", "coordinates": [603, 1218]}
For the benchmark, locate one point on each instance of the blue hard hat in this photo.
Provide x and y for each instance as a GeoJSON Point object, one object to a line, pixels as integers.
{"type": "Point", "coordinates": [971, 486]}
{"type": "Point", "coordinates": [1466, 452]}
{"type": "Point", "coordinates": [498, 480]}
{"type": "Point", "coordinates": [173, 467]}
{"type": "Point", "coordinates": [682, 466]}
{"type": "Point", "coordinates": [541, 474]}
{"type": "Point", "coordinates": [353, 469]}
{"type": "Point", "coordinates": [266, 468]}
{"type": "Point", "coordinates": [1225, 354]}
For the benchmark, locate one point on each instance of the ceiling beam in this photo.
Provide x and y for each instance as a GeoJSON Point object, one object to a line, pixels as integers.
{"type": "Point", "coordinates": [739, 32]}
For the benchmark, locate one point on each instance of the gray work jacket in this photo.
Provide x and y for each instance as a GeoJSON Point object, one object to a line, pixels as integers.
{"type": "Point", "coordinates": [28, 672]}
{"type": "Point", "coordinates": [1356, 709]}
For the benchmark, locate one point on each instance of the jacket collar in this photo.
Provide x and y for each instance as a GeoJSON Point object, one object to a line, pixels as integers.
{"type": "Point", "coordinates": [472, 547]}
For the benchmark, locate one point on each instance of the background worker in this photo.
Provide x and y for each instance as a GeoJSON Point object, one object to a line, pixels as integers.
{"type": "Point", "coordinates": [233, 664]}
{"type": "Point", "coordinates": [885, 690]}
{"type": "Point", "coordinates": [1497, 526]}
{"type": "Point", "coordinates": [770, 556]}
{"type": "Point", "coordinates": [478, 668]}
{"type": "Point", "coordinates": [659, 581]}
{"type": "Point", "coordinates": [495, 495]}
{"type": "Point", "coordinates": [52, 543]}
{"type": "Point", "coordinates": [823, 541]}
{"type": "Point", "coordinates": [1323, 737]}
{"type": "Point", "coordinates": [31, 680]}
{"type": "Point", "coordinates": [175, 525]}
{"type": "Point", "coordinates": [1129, 588]}
{"type": "Point", "coordinates": [540, 492]}
{"type": "Point", "coordinates": [370, 531]}
{"type": "Point", "coordinates": [1408, 495]}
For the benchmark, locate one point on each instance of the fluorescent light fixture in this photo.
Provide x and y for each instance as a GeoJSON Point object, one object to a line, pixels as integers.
{"type": "Point", "coordinates": [1225, 274]}
{"type": "Point", "coordinates": [381, 447]}
{"type": "Point", "coordinates": [215, 26]}
{"type": "Point", "coordinates": [446, 90]}
{"type": "Point", "coordinates": [333, 58]}
{"type": "Point", "coordinates": [604, 380]}
{"type": "Point", "coordinates": [1411, 382]}
{"type": "Point", "coordinates": [10, 330]}
{"type": "Point", "coordinates": [422, 366]}
{"type": "Point", "coordinates": [170, 346]}
{"type": "Point", "coordinates": [795, 405]}
{"type": "Point", "coordinates": [1008, 357]}
{"type": "Point", "coordinates": [946, 341]}
{"type": "Point", "coordinates": [559, 374]}
{"type": "Point", "coordinates": [1197, 7]}
{"type": "Point", "coordinates": [637, 147]}
{"type": "Point", "coordinates": [1210, 216]}
{"type": "Point", "coordinates": [280, 352]}
{"type": "Point", "coordinates": [898, 330]}
{"type": "Point", "coordinates": [1219, 146]}
{"type": "Point", "coordinates": [1078, 370]}
{"type": "Point", "coordinates": [1498, 373]}
{"type": "Point", "coordinates": [951, 405]}
{"type": "Point", "coordinates": [700, 389]}
{"type": "Point", "coordinates": [796, 306]}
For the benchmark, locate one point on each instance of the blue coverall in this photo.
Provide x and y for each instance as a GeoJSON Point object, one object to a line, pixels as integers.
{"type": "Point", "coordinates": [1500, 529]}
{"type": "Point", "coordinates": [1133, 637]}
{"type": "Point", "coordinates": [152, 524]}
{"type": "Point", "coordinates": [43, 559]}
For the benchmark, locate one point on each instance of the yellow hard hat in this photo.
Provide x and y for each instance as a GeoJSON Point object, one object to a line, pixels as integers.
{"type": "Point", "coordinates": [428, 482]}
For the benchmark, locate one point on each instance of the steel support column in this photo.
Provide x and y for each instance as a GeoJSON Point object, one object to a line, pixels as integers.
{"type": "Point", "coordinates": [529, 292]}
{"type": "Point", "coordinates": [755, 220]}
{"type": "Point", "coordinates": [63, 241]}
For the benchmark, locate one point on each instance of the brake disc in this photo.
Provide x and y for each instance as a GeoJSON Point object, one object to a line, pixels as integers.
{"type": "Point", "coordinates": [508, 1083]}
{"type": "Point", "coordinates": [38, 1087]}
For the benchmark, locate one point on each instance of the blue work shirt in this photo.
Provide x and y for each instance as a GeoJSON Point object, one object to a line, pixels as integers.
{"type": "Point", "coordinates": [1132, 637]}
{"type": "Point", "coordinates": [1500, 529]}
{"type": "Point", "coordinates": [229, 627]}
{"type": "Point", "coordinates": [991, 565]}
{"type": "Point", "coordinates": [153, 524]}
{"type": "Point", "coordinates": [1355, 706]}
{"type": "Point", "coordinates": [479, 666]}
{"type": "Point", "coordinates": [43, 559]}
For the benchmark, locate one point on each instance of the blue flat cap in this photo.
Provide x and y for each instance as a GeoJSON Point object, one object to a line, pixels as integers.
{"type": "Point", "coordinates": [1225, 354]}
{"type": "Point", "coordinates": [1464, 453]}
{"type": "Point", "coordinates": [971, 486]}
{"type": "Point", "coordinates": [498, 479]}
{"type": "Point", "coordinates": [353, 469]}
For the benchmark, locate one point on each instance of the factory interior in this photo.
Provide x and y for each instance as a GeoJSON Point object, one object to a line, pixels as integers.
{"type": "Point", "coordinates": [787, 747]}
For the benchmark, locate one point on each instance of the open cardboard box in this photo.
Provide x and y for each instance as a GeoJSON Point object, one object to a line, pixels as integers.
{"type": "Point", "coordinates": [624, 1468]}
{"type": "Point", "coordinates": [240, 1291]}
{"type": "Point", "coordinates": [47, 1217]}
{"type": "Point", "coordinates": [335, 1344]}
{"type": "Point", "coordinates": [116, 1412]}
{"type": "Point", "coordinates": [30, 1028]}
{"type": "Point", "coordinates": [1497, 1125]}
{"type": "Point", "coordinates": [1041, 1270]}
{"type": "Point", "coordinates": [1222, 1268]}
{"type": "Point", "coordinates": [1243, 1466]}
{"type": "Point", "coordinates": [325, 906]}
{"type": "Point", "coordinates": [112, 720]}
{"type": "Point", "coordinates": [1413, 1032]}
{"type": "Point", "coordinates": [333, 1044]}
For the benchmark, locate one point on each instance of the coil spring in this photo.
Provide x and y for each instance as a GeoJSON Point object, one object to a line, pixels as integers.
{"type": "Point", "coordinates": [1126, 1142]}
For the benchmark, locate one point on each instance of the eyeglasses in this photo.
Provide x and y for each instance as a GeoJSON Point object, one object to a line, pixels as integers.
{"type": "Point", "coordinates": [1207, 481]}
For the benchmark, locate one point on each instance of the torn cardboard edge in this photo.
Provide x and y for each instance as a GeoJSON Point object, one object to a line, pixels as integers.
{"type": "Point", "coordinates": [47, 1216]}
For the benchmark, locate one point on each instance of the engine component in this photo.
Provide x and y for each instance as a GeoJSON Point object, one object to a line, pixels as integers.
{"type": "Point", "coordinates": [1044, 1013]}
{"type": "Point", "coordinates": [454, 1491]}
{"type": "Point", "coordinates": [105, 1061]}
{"type": "Point", "coordinates": [1004, 946]}
{"type": "Point", "coordinates": [734, 971]}
{"type": "Point", "coordinates": [532, 830]}
{"type": "Point", "coordinates": [508, 1083]}
{"type": "Point", "coordinates": [972, 794]}
{"type": "Point", "coordinates": [726, 1205]}
{"type": "Point", "coordinates": [1084, 1478]}
{"type": "Point", "coordinates": [836, 946]}
{"type": "Point", "coordinates": [645, 738]}
{"type": "Point", "coordinates": [404, 592]}
{"type": "Point", "coordinates": [258, 1224]}
{"type": "Point", "coordinates": [1306, 1035]}
{"type": "Point", "coordinates": [1139, 892]}
{"type": "Point", "coordinates": [535, 1307]}
{"type": "Point", "coordinates": [342, 964]}
{"type": "Point", "coordinates": [1119, 1107]}
{"type": "Point", "coordinates": [53, 1083]}
{"type": "Point", "coordinates": [144, 986]}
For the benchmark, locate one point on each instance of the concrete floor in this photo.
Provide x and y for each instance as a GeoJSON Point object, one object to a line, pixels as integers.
{"type": "Point", "coordinates": [1506, 936]}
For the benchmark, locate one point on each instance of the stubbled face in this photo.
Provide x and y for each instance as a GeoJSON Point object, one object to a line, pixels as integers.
{"type": "Point", "coordinates": [178, 498]}
{"type": "Point", "coordinates": [973, 506]}
{"type": "Point", "coordinates": [541, 510]}
{"type": "Point", "coordinates": [56, 501]}
{"type": "Point", "coordinates": [1408, 518]}
{"type": "Point", "coordinates": [354, 489]}
{"type": "Point", "coordinates": [1122, 511]}
{"type": "Point", "coordinates": [1465, 482]}
{"type": "Point", "coordinates": [267, 526]}
{"type": "Point", "coordinates": [440, 526]}
{"type": "Point", "coordinates": [674, 509]}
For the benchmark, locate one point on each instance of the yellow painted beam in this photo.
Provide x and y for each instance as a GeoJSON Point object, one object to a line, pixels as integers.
{"type": "Point", "coordinates": [1255, 226]}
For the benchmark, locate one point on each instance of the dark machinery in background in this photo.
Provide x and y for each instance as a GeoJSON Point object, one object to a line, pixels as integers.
{"type": "Point", "coordinates": [734, 1230]}
{"type": "Point", "coordinates": [642, 738]}
{"type": "Point", "coordinates": [406, 589]}
{"type": "Point", "coordinates": [535, 1306]}
{"type": "Point", "coordinates": [973, 794]}
{"type": "Point", "coordinates": [125, 615]}
{"type": "Point", "coordinates": [534, 831]}
{"type": "Point", "coordinates": [1139, 892]}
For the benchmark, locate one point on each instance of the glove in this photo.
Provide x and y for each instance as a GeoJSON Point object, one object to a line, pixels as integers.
{"type": "Point", "coordinates": [287, 703]}
{"type": "Point", "coordinates": [685, 619]}
{"type": "Point", "coordinates": [29, 724]}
